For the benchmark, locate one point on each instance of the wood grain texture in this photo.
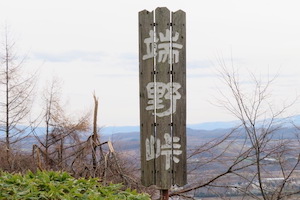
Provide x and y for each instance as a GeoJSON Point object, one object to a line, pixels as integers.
{"type": "Point", "coordinates": [163, 176]}
{"type": "Point", "coordinates": [146, 73]}
{"type": "Point", "coordinates": [166, 69]}
{"type": "Point", "coordinates": [179, 117]}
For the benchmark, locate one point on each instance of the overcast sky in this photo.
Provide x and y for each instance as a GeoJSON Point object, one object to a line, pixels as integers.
{"type": "Point", "coordinates": [92, 45]}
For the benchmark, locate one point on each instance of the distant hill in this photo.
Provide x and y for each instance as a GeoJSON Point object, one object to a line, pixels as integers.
{"type": "Point", "coordinates": [206, 126]}
{"type": "Point", "coordinates": [201, 126]}
{"type": "Point", "coordinates": [131, 140]}
{"type": "Point", "coordinates": [129, 136]}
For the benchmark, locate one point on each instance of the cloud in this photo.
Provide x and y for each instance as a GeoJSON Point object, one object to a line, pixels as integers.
{"type": "Point", "coordinates": [198, 75]}
{"type": "Point", "coordinates": [199, 64]}
{"type": "Point", "coordinates": [117, 76]}
{"type": "Point", "coordinates": [69, 56]}
{"type": "Point", "coordinates": [133, 57]}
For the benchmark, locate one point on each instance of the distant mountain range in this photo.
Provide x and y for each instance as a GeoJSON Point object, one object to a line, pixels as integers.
{"type": "Point", "coordinates": [129, 136]}
{"type": "Point", "coordinates": [201, 126]}
{"type": "Point", "coordinates": [206, 126]}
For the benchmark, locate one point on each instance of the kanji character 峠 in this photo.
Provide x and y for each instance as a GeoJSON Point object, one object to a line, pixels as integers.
{"type": "Point", "coordinates": [170, 149]}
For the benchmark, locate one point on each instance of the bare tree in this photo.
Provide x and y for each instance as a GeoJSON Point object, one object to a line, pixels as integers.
{"type": "Point", "coordinates": [254, 155]}
{"type": "Point", "coordinates": [92, 146]}
{"type": "Point", "coordinates": [62, 133]}
{"type": "Point", "coordinates": [51, 114]}
{"type": "Point", "coordinates": [260, 121]}
{"type": "Point", "coordinates": [17, 95]}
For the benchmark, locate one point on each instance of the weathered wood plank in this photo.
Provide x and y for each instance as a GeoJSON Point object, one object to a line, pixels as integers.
{"type": "Point", "coordinates": [179, 76]}
{"type": "Point", "coordinates": [162, 97]}
{"type": "Point", "coordinates": [146, 73]}
{"type": "Point", "coordinates": [163, 117]}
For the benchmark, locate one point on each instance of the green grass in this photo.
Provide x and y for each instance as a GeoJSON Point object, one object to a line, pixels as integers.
{"type": "Point", "coordinates": [50, 185]}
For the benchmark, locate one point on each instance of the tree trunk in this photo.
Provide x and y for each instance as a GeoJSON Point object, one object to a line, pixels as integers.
{"type": "Point", "coordinates": [95, 134]}
{"type": "Point", "coordinates": [7, 102]}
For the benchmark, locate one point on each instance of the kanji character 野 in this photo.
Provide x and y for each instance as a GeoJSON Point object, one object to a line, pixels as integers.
{"type": "Point", "coordinates": [158, 92]}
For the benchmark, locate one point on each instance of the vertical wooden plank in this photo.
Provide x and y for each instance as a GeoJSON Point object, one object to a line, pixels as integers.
{"type": "Point", "coordinates": [163, 119]}
{"type": "Point", "coordinates": [179, 76]}
{"type": "Point", "coordinates": [146, 73]}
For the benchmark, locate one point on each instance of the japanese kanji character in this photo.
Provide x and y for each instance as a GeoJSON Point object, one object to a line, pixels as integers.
{"type": "Point", "coordinates": [163, 47]}
{"type": "Point", "coordinates": [170, 149]}
{"type": "Point", "coordinates": [162, 90]}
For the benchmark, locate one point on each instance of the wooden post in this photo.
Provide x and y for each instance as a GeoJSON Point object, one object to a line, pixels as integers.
{"type": "Point", "coordinates": [164, 195]}
{"type": "Point", "coordinates": [146, 73]}
{"type": "Point", "coordinates": [162, 71]}
{"type": "Point", "coordinates": [179, 77]}
{"type": "Point", "coordinates": [163, 123]}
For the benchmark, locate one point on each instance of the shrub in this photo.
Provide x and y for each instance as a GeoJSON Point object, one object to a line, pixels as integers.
{"type": "Point", "coordinates": [50, 185]}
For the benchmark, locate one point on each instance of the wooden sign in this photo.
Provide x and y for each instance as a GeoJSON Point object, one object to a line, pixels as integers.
{"type": "Point", "coordinates": [162, 70]}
